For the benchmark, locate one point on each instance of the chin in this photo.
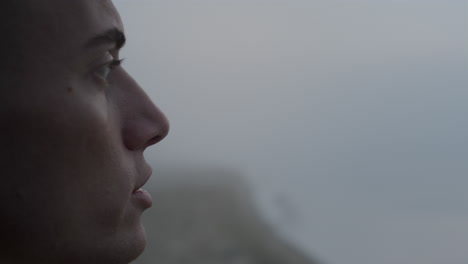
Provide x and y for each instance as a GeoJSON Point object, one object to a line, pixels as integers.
{"type": "Point", "coordinates": [122, 249]}
{"type": "Point", "coordinates": [134, 247]}
{"type": "Point", "coordinates": [140, 242]}
{"type": "Point", "coordinates": [126, 241]}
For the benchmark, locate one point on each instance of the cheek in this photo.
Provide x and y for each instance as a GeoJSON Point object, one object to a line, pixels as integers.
{"type": "Point", "coordinates": [70, 163]}
{"type": "Point", "coordinates": [96, 175]}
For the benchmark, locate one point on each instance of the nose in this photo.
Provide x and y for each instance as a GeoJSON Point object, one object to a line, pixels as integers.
{"type": "Point", "coordinates": [143, 123]}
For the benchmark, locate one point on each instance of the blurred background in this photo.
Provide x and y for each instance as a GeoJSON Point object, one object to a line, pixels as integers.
{"type": "Point", "coordinates": [346, 118]}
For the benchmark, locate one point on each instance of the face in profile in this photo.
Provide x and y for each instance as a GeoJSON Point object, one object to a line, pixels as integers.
{"type": "Point", "coordinates": [74, 126]}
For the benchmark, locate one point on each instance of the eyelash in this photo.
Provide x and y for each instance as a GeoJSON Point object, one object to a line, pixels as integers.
{"type": "Point", "coordinates": [115, 63]}
{"type": "Point", "coordinates": [108, 67]}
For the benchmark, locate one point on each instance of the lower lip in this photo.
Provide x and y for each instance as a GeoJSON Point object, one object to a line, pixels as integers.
{"type": "Point", "coordinates": [143, 197]}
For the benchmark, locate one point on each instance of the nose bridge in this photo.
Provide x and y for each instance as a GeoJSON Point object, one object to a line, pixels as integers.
{"type": "Point", "coordinates": [144, 124]}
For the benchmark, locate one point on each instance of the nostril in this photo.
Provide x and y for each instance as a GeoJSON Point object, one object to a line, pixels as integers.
{"type": "Point", "coordinates": [145, 129]}
{"type": "Point", "coordinates": [141, 133]}
{"type": "Point", "coordinates": [135, 138]}
{"type": "Point", "coordinates": [154, 140]}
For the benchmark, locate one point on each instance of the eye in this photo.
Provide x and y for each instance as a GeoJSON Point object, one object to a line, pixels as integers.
{"type": "Point", "coordinates": [104, 70]}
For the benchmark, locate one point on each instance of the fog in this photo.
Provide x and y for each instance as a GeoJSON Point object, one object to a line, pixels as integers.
{"type": "Point", "coordinates": [348, 117]}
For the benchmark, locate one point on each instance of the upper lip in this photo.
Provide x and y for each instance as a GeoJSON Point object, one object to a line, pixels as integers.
{"type": "Point", "coordinates": [143, 180]}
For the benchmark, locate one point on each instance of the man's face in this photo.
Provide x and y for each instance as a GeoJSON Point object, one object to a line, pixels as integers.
{"type": "Point", "coordinates": [73, 130]}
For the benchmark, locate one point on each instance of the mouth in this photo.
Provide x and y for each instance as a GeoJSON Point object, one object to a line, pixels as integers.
{"type": "Point", "coordinates": [141, 182]}
{"type": "Point", "coordinates": [142, 196]}
{"type": "Point", "coordinates": [139, 190]}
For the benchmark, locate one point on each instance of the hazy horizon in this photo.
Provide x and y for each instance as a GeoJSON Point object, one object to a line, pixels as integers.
{"type": "Point", "coordinates": [349, 113]}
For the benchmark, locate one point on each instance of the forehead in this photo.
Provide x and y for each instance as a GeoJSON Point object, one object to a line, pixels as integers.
{"type": "Point", "coordinates": [78, 10]}
{"type": "Point", "coordinates": [67, 24]}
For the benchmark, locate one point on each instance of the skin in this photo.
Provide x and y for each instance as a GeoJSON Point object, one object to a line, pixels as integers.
{"type": "Point", "coordinates": [73, 131]}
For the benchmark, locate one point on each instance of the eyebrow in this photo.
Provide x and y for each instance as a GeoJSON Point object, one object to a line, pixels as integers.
{"type": "Point", "coordinates": [112, 36]}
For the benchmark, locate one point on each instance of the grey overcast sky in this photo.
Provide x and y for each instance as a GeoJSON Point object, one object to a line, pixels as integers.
{"type": "Point", "coordinates": [349, 117]}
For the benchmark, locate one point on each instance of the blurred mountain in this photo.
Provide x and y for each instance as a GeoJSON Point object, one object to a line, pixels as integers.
{"type": "Point", "coordinates": [208, 216]}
